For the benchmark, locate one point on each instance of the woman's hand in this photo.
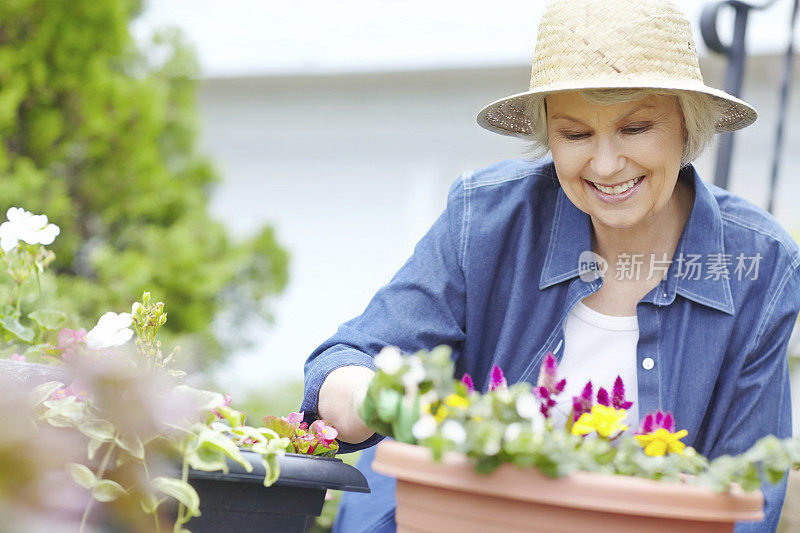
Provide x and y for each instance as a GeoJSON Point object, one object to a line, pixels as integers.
{"type": "Point", "coordinates": [339, 399]}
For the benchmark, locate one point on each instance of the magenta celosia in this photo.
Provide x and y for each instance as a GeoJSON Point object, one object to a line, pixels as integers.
{"type": "Point", "coordinates": [602, 397]}
{"type": "Point", "coordinates": [498, 380]}
{"type": "Point", "coordinates": [657, 420]}
{"type": "Point", "coordinates": [548, 385]}
{"type": "Point", "coordinates": [618, 396]}
{"type": "Point", "coordinates": [583, 403]}
{"type": "Point", "coordinates": [466, 379]}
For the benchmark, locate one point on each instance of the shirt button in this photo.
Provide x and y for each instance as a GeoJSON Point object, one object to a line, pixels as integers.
{"type": "Point", "coordinates": [648, 363]}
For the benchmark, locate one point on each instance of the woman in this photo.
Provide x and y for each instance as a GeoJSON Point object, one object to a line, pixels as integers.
{"type": "Point", "coordinates": [693, 296]}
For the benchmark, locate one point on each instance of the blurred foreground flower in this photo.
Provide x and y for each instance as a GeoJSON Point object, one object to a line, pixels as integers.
{"type": "Point", "coordinates": [27, 227]}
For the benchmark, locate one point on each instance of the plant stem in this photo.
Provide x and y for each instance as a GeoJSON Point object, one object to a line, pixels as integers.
{"type": "Point", "coordinates": [100, 472]}
{"type": "Point", "coordinates": [185, 478]}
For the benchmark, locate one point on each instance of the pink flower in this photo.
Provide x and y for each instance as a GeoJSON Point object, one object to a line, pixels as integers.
{"type": "Point", "coordinates": [618, 396]}
{"type": "Point", "coordinates": [583, 403]}
{"type": "Point", "coordinates": [17, 357]}
{"type": "Point", "coordinates": [226, 400]}
{"type": "Point", "coordinates": [325, 433]}
{"type": "Point", "coordinates": [70, 337]}
{"type": "Point", "coordinates": [498, 379]}
{"type": "Point", "coordinates": [295, 418]}
{"type": "Point", "coordinates": [602, 397]}
{"type": "Point", "coordinates": [466, 379]}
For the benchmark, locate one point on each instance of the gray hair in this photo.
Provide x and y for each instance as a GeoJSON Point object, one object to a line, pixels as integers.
{"type": "Point", "coordinates": [700, 115]}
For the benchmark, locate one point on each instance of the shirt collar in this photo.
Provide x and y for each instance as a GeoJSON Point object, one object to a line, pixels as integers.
{"type": "Point", "coordinates": [570, 235]}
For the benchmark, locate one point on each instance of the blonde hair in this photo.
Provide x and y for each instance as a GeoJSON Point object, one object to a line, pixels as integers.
{"type": "Point", "coordinates": [700, 115]}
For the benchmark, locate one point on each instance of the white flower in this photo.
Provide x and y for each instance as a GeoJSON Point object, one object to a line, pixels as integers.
{"type": "Point", "coordinates": [111, 330]}
{"type": "Point", "coordinates": [454, 431]}
{"type": "Point", "coordinates": [389, 360]}
{"type": "Point", "coordinates": [513, 431]}
{"type": "Point", "coordinates": [424, 428]}
{"type": "Point", "coordinates": [25, 226]}
{"type": "Point", "coordinates": [135, 308]}
{"type": "Point", "coordinates": [414, 375]}
{"type": "Point", "coordinates": [527, 406]}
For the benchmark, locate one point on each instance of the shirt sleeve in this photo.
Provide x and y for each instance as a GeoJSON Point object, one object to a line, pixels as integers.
{"type": "Point", "coordinates": [762, 401]}
{"type": "Point", "coordinates": [423, 306]}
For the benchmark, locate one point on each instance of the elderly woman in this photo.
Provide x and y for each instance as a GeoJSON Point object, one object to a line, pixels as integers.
{"type": "Point", "coordinates": [614, 255]}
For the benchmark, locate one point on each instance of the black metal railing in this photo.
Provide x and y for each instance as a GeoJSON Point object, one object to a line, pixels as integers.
{"type": "Point", "coordinates": [736, 54]}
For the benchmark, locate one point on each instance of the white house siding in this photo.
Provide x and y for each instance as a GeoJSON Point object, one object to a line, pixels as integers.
{"type": "Point", "coordinates": [352, 169]}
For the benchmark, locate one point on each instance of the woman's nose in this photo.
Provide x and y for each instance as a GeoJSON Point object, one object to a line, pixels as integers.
{"type": "Point", "coordinates": [607, 160]}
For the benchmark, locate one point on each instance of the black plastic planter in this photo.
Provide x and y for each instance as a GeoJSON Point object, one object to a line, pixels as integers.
{"type": "Point", "coordinates": [239, 500]}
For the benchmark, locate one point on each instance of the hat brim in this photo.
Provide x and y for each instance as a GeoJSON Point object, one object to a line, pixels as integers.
{"type": "Point", "coordinates": [739, 115]}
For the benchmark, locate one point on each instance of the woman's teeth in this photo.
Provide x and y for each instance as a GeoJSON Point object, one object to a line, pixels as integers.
{"type": "Point", "coordinates": [619, 189]}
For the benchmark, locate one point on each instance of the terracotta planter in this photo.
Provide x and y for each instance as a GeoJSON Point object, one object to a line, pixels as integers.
{"type": "Point", "coordinates": [450, 496]}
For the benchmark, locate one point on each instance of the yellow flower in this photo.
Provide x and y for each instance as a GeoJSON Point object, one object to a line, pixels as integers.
{"type": "Point", "coordinates": [661, 442]}
{"type": "Point", "coordinates": [439, 415]}
{"type": "Point", "coordinates": [604, 420]}
{"type": "Point", "coordinates": [456, 401]}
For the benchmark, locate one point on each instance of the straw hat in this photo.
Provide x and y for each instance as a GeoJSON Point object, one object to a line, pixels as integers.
{"type": "Point", "coordinates": [600, 44]}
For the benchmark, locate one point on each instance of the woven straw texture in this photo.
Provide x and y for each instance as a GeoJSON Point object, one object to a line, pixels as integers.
{"type": "Point", "coordinates": [595, 44]}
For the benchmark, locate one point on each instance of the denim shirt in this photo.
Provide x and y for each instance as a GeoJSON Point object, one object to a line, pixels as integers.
{"type": "Point", "coordinates": [497, 274]}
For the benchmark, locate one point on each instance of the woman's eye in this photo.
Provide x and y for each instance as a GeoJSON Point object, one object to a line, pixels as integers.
{"type": "Point", "coordinates": [574, 135]}
{"type": "Point", "coordinates": [633, 130]}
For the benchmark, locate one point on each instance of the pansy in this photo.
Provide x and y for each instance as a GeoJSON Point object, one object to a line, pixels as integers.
{"type": "Point", "coordinates": [27, 227]}
{"type": "Point", "coordinates": [111, 330]}
{"type": "Point", "coordinates": [606, 421]}
{"type": "Point", "coordinates": [658, 436]}
{"type": "Point", "coordinates": [661, 442]}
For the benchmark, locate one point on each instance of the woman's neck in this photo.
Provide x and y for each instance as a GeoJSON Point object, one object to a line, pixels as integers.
{"type": "Point", "coordinates": [658, 236]}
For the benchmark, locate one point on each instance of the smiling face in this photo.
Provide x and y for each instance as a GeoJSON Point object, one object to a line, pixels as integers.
{"type": "Point", "coordinates": [619, 163]}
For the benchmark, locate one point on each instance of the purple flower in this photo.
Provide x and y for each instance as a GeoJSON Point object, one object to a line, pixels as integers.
{"type": "Point", "coordinates": [583, 403]}
{"type": "Point", "coordinates": [466, 379]}
{"type": "Point", "coordinates": [498, 379]}
{"type": "Point", "coordinates": [602, 397]}
{"type": "Point", "coordinates": [657, 420]}
{"type": "Point", "coordinates": [618, 396]}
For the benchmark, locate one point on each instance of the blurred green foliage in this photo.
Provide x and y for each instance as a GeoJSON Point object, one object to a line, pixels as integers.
{"type": "Point", "coordinates": [99, 133]}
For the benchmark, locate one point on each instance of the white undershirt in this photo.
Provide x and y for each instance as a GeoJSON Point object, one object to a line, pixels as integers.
{"type": "Point", "coordinates": [598, 347]}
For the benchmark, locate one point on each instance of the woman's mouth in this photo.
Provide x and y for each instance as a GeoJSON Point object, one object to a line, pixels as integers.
{"type": "Point", "coordinates": [616, 193]}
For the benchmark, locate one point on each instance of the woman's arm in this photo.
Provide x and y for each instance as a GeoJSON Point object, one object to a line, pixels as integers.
{"type": "Point", "coordinates": [762, 404]}
{"type": "Point", "coordinates": [339, 399]}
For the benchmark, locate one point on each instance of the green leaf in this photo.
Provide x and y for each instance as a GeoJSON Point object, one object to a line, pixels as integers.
{"type": "Point", "coordinates": [97, 429]}
{"type": "Point", "coordinates": [13, 326]}
{"type": "Point", "coordinates": [48, 319]}
{"type": "Point", "coordinates": [280, 426]}
{"type": "Point", "coordinates": [200, 399]}
{"type": "Point", "coordinates": [131, 444]}
{"type": "Point", "coordinates": [42, 392]}
{"type": "Point", "coordinates": [107, 490]}
{"type": "Point", "coordinates": [92, 447]}
{"type": "Point", "coordinates": [272, 468]}
{"type": "Point", "coordinates": [81, 475]}
{"type": "Point", "coordinates": [388, 404]}
{"type": "Point", "coordinates": [150, 503]}
{"type": "Point", "coordinates": [181, 491]}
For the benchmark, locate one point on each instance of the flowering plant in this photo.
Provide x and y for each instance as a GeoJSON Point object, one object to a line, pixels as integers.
{"type": "Point", "coordinates": [127, 453]}
{"type": "Point", "coordinates": [415, 399]}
